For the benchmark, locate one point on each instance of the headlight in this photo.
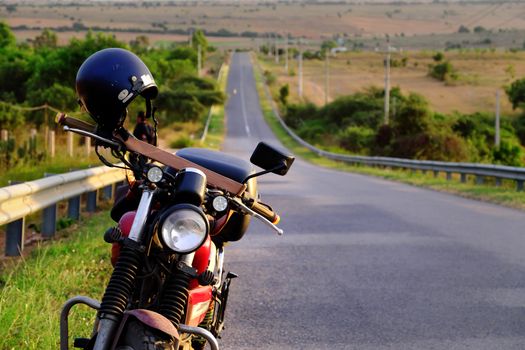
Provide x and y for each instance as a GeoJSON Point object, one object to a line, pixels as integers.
{"type": "Point", "coordinates": [183, 228]}
{"type": "Point", "coordinates": [154, 174]}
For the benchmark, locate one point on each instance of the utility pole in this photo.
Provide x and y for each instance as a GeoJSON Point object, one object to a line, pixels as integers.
{"type": "Point", "coordinates": [326, 76]}
{"type": "Point", "coordinates": [269, 45]}
{"type": "Point", "coordinates": [286, 55]}
{"type": "Point", "coordinates": [387, 86]}
{"type": "Point", "coordinates": [300, 75]}
{"type": "Point", "coordinates": [497, 126]}
{"type": "Point", "coordinates": [276, 50]}
{"type": "Point", "coordinates": [199, 60]}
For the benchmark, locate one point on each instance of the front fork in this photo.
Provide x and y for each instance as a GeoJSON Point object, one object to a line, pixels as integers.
{"type": "Point", "coordinates": [123, 277]}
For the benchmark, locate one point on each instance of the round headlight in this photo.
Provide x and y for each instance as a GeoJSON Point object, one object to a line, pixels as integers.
{"type": "Point", "coordinates": [155, 174]}
{"type": "Point", "coordinates": [219, 203]}
{"type": "Point", "coordinates": [184, 230]}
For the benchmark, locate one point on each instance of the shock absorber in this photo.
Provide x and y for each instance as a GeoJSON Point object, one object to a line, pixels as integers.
{"type": "Point", "coordinates": [175, 296]}
{"type": "Point", "coordinates": [121, 283]}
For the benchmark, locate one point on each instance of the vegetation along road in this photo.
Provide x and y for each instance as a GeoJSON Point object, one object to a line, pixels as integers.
{"type": "Point", "coordinates": [366, 263]}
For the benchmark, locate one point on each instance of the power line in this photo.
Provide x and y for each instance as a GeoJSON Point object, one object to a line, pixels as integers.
{"type": "Point", "coordinates": [482, 14]}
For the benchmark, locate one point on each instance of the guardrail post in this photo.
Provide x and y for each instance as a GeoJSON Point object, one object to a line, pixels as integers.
{"type": "Point", "coordinates": [73, 208]}
{"type": "Point", "coordinates": [519, 185]}
{"type": "Point", "coordinates": [51, 145]}
{"type": "Point", "coordinates": [107, 192]}
{"type": "Point", "coordinates": [449, 175]}
{"type": "Point", "coordinates": [436, 173]}
{"type": "Point", "coordinates": [91, 201]}
{"type": "Point", "coordinates": [14, 237]}
{"type": "Point", "coordinates": [70, 144]}
{"type": "Point", "coordinates": [479, 180]}
{"type": "Point", "coordinates": [498, 181]}
{"type": "Point", "coordinates": [463, 177]}
{"type": "Point", "coordinates": [49, 218]}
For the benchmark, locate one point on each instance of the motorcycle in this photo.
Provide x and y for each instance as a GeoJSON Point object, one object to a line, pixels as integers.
{"type": "Point", "coordinates": [168, 289]}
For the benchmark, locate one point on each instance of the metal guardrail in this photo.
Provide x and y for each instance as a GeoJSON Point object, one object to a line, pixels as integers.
{"type": "Point", "coordinates": [18, 201]}
{"type": "Point", "coordinates": [479, 170]}
{"type": "Point", "coordinates": [222, 71]}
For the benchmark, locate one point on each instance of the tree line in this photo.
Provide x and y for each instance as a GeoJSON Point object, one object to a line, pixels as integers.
{"type": "Point", "coordinates": [39, 72]}
{"type": "Point", "coordinates": [354, 123]}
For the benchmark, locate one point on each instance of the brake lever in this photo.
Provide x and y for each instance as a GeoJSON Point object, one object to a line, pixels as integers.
{"type": "Point", "coordinates": [117, 145]}
{"type": "Point", "coordinates": [248, 211]}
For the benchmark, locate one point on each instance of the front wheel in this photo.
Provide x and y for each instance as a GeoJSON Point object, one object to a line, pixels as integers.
{"type": "Point", "coordinates": [138, 336]}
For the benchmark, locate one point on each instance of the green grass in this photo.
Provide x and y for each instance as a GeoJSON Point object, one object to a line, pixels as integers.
{"type": "Point", "coordinates": [57, 165]}
{"type": "Point", "coordinates": [505, 194]}
{"type": "Point", "coordinates": [215, 136]}
{"type": "Point", "coordinates": [33, 289]}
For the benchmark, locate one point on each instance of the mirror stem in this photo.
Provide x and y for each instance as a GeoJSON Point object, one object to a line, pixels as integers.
{"type": "Point", "coordinates": [277, 168]}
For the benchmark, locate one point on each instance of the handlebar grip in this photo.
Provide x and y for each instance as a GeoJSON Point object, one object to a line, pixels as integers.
{"type": "Point", "coordinates": [65, 120]}
{"type": "Point", "coordinates": [265, 211]}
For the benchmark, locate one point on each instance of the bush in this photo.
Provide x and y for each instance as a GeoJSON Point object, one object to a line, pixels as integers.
{"type": "Point", "coordinates": [284, 92]}
{"type": "Point", "coordinates": [508, 153]}
{"type": "Point", "coordinates": [270, 77]}
{"type": "Point", "coordinates": [297, 114]}
{"type": "Point", "coordinates": [443, 71]}
{"type": "Point", "coordinates": [357, 139]}
{"type": "Point", "coordinates": [181, 142]}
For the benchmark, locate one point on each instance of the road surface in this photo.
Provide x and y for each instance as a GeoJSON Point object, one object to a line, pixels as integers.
{"type": "Point", "coordinates": [366, 263]}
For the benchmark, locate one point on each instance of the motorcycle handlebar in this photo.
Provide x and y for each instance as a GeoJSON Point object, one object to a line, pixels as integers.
{"type": "Point", "coordinates": [65, 120]}
{"type": "Point", "coordinates": [265, 210]}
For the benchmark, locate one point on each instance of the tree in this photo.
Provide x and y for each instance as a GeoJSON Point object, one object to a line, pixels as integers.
{"type": "Point", "coordinates": [516, 93]}
{"type": "Point", "coordinates": [438, 57]}
{"type": "Point", "coordinates": [284, 92]}
{"type": "Point", "coordinates": [463, 29]}
{"type": "Point", "coordinates": [328, 45]}
{"type": "Point", "coordinates": [47, 38]}
{"type": "Point", "coordinates": [139, 44]}
{"type": "Point", "coordinates": [187, 98]}
{"type": "Point", "coordinates": [414, 116]}
{"type": "Point", "coordinates": [199, 39]}
{"type": "Point", "coordinates": [7, 37]}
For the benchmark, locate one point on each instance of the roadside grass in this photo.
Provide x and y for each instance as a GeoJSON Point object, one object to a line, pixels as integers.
{"type": "Point", "coordinates": [505, 194]}
{"type": "Point", "coordinates": [216, 129]}
{"type": "Point", "coordinates": [57, 165]}
{"type": "Point", "coordinates": [33, 289]}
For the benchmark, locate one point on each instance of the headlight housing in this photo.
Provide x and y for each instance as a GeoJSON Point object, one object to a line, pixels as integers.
{"type": "Point", "coordinates": [183, 228]}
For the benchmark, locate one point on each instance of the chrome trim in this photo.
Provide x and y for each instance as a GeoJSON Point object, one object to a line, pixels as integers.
{"type": "Point", "coordinates": [64, 315]}
{"type": "Point", "coordinates": [247, 210]}
{"type": "Point", "coordinates": [214, 344]}
{"type": "Point", "coordinates": [220, 263]}
{"type": "Point", "coordinates": [194, 170]}
{"type": "Point", "coordinates": [137, 227]}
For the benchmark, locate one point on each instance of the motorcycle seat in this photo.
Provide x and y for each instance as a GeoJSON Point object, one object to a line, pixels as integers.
{"type": "Point", "coordinates": [219, 162]}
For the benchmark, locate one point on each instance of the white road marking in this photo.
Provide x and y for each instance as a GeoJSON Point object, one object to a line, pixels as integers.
{"type": "Point", "coordinates": [243, 106]}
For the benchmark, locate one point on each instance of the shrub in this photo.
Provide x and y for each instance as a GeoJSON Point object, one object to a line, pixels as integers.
{"type": "Point", "coordinates": [357, 139]}
{"type": "Point", "coordinates": [297, 114]}
{"type": "Point", "coordinates": [181, 142]}
{"type": "Point", "coordinates": [284, 92]}
{"type": "Point", "coordinates": [443, 71]}
{"type": "Point", "coordinates": [270, 77]}
{"type": "Point", "coordinates": [508, 153]}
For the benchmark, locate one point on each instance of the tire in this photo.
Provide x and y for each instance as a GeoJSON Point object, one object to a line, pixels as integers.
{"type": "Point", "coordinates": [140, 337]}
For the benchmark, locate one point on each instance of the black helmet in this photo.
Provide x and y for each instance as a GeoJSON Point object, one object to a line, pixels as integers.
{"type": "Point", "coordinates": [108, 81]}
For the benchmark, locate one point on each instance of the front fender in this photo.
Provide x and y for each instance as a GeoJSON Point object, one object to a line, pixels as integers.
{"type": "Point", "coordinates": [149, 318]}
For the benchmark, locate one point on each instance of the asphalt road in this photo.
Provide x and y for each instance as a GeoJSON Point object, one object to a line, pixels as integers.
{"type": "Point", "coordinates": [366, 263]}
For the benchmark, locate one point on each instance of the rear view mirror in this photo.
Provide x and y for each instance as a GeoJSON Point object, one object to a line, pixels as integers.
{"type": "Point", "coordinates": [271, 160]}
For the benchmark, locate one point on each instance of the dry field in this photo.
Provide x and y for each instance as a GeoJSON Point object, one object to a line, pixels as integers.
{"type": "Point", "coordinates": [313, 21]}
{"type": "Point", "coordinates": [481, 74]}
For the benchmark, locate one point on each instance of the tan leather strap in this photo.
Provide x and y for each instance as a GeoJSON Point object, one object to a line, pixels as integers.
{"type": "Point", "coordinates": [176, 162]}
